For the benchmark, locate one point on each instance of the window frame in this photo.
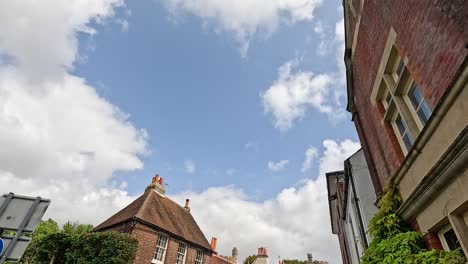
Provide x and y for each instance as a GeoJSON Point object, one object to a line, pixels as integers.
{"type": "Point", "coordinates": [413, 108]}
{"type": "Point", "coordinates": [199, 257]}
{"type": "Point", "coordinates": [441, 234]}
{"type": "Point", "coordinates": [184, 246]}
{"type": "Point", "coordinates": [161, 237]}
{"type": "Point", "coordinates": [401, 135]}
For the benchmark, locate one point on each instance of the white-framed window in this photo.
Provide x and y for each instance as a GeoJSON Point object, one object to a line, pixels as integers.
{"type": "Point", "coordinates": [161, 246]}
{"type": "Point", "coordinates": [404, 105]}
{"type": "Point", "coordinates": [448, 238]}
{"type": "Point", "coordinates": [181, 253]}
{"type": "Point", "coordinates": [420, 106]}
{"type": "Point", "coordinates": [403, 131]}
{"type": "Point", "coordinates": [199, 257]}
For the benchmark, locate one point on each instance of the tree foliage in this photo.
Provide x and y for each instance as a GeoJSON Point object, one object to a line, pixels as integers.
{"type": "Point", "coordinates": [76, 244]}
{"type": "Point", "coordinates": [294, 261]}
{"type": "Point", "coordinates": [393, 242]}
{"type": "Point", "coordinates": [250, 259]}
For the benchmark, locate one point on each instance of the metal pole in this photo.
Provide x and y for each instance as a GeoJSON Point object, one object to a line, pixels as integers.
{"type": "Point", "coordinates": [25, 221]}
{"type": "Point", "coordinates": [6, 202]}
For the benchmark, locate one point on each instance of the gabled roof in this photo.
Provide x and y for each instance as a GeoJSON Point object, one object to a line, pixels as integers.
{"type": "Point", "coordinates": [155, 209]}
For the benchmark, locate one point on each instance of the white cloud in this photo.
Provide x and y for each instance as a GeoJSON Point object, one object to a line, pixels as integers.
{"type": "Point", "coordinates": [295, 91]}
{"type": "Point", "coordinates": [59, 138]}
{"type": "Point", "coordinates": [189, 166]}
{"type": "Point", "coordinates": [245, 18]}
{"type": "Point", "coordinates": [299, 214]}
{"type": "Point", "coordinates": [288, 98]}
{"type": "Point", "coordinates": [310, 155]}
{"type": "Point", "coordinates": [277, 166]}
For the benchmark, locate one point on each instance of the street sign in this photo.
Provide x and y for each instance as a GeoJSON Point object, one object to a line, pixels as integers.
{"type": "Point", "coordinates": [19, 215]}
{"type": "Point", "coordinates": [1, 246]}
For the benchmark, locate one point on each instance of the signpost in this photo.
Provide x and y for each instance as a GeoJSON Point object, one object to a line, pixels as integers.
{"type": "Point", "coordinates": [19, 215]}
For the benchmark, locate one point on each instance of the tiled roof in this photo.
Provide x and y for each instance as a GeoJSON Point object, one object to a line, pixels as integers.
{"type": "Point", "coordinates": [162, 212]}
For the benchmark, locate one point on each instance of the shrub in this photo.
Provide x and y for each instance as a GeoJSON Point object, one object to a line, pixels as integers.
{"type": "Point", "coordinates": [393, 242]}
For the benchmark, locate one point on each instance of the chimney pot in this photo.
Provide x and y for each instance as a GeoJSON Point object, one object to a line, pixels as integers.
{"type": "Point", "coordinates": [213, 243]}
{"type": "Point", "coordinates": [157, 185]}
{"type": "Point", "coordinates": [155, 179]}
{"type": "Point", "coordinates": [187, 202]}
{"type": "Point", "coordinates": [262, 251]}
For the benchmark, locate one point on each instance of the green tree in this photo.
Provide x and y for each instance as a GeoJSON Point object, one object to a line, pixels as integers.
{"type": "Point", "coordinates": [250, 259]}
{"type": "Point", "coordinates": [43, 229]}
{"type": "Point", "coordinates": [76, 244]}
{"type": "Point", "coordinates": [294, 261]}
{"type": "Point", "coordinates": [76, 228]}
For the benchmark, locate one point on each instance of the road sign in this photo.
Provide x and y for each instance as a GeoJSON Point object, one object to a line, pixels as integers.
{"type": "Point", "coordinates": [19, 215]}
{"type": "Point", "coordinates": [1, 246]}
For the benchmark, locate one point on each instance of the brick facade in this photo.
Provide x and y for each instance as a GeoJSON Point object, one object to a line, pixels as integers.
{"type": "Point", "coordinates": [147, 238]}
{"type": "Point", "coordinates": [220, 260]}
{"type": "Point", "coordinates": [433, 35]}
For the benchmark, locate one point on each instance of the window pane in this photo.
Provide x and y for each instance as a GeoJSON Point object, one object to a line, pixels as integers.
{"type": "Point", "coordinates": [388, 98]}
{"type": "Point", "coordinates": [199, 257]}
{"type": "Point", "coordinates": [401, 126]}
{"type": "Point", "coordinates": [451, 239]}
{"type": "Point", "coordinates": [424, 112]}
{"type": "Point", "coordinates": [408, 141]}
{"type": "Point", "coordinates": [415, 96]}
{"type": "Point", "coordinates": [401, 66]}
{"type": "Point", "coordinates": [160, 247]}
{"type": "Point", "coordinates": [181, 253]}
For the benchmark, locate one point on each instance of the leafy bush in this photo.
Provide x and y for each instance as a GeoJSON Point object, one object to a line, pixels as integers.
{"type": "Point", "coordinates": [393, 242]}
{"type": "Point", "coordinates": [74, 244]}
{"type": "Point", "coordinates": [89, 248]}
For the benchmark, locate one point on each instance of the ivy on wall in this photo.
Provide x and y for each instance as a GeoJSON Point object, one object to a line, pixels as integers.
{"type": "Point", "coordinates": [393, 242]}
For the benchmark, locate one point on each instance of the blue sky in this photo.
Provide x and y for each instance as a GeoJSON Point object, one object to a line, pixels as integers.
{"type": "Point", "coordinates": [239, 105]}
{"type": "Point", "coordinates": [199, 99]}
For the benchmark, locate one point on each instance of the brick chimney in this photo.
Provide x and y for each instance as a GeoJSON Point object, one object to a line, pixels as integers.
{"type": "Point", "coordinates": [157, 184]}
{"type": "Point", "coordinates": [187, 207]}
{"type": "Point", "coordinates": [213, 243]}
{"type": "Point", "coordinates": [262, 252]}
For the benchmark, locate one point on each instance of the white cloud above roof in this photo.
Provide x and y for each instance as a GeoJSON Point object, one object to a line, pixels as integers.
{"type": "Point", "coordinates": [60, 139]}
{"type": "Point", "coordinates": [277, 166]}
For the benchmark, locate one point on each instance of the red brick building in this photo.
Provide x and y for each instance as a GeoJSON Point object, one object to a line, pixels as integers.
{"type": "Point", "coordinates": [166, 231]}
{"type": "Point", "coordinates": [406, 66]}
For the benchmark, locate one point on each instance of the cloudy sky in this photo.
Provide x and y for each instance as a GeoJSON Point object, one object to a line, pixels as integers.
{"type": "Point", "coordinates": [239, 105]}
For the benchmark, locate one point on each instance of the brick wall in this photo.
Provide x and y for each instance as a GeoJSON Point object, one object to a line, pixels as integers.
{"type": "Point", "coordinates": [147, 239]}
{"type": "Point", "coordinates": [219, 260]}
{"type": "Point", "coordinates": [433, 34]}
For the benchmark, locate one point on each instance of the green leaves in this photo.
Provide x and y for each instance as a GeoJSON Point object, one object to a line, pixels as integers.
{"type": "Point", "coordinates": [393, 242]}
{"type": "Point", "coordinates": [75, 244]}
